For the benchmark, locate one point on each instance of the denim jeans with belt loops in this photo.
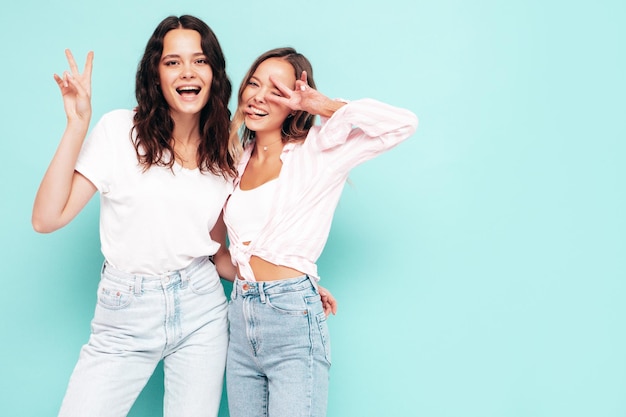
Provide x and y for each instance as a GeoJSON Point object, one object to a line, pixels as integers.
{"type": "Point", "coordinates": [179, 317]}
{"type": "Point", "coordinates": [279, 351]}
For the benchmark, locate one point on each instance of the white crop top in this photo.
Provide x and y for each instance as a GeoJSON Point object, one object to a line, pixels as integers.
{"type": "Point", "coordinates": [248, 210]}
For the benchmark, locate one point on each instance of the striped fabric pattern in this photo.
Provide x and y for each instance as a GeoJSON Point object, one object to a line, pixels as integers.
{"type": "Point", "coordinates": [311, 180]}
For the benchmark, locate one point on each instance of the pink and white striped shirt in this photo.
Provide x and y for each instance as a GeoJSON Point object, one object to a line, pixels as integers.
{"type": "Point", "coordinates": [311, 180]}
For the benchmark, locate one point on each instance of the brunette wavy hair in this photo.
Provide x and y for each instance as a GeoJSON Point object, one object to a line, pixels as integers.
{"type": "Point", "coordinates": [153, 123]}
{"type": "Point", "coordinates": [294, 127]}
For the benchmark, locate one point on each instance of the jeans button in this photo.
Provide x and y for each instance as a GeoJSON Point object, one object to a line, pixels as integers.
{"type": "Point", "coordinates": [245, 287]}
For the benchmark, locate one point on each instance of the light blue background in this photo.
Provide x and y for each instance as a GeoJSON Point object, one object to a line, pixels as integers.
{"type": "Point", "coordinates": [479, 266]}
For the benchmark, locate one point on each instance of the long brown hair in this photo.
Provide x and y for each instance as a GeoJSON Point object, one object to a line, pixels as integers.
{"type": "Point", "coordinates": [153, 122]}
{"type": "Point", "coordinates": [295, 127]}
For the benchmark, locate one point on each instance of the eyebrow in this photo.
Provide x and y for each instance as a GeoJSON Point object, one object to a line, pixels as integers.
{"type": "Point", "coordinates": [170, 56]}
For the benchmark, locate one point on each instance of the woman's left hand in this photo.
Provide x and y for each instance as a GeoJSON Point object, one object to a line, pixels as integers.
{"type": "Point", "coordinates": [304, 97]}
{"type": "Point", "coordinates": [328, 301]}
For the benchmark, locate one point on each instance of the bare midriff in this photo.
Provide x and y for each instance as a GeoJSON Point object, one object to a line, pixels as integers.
{"type": "Point", "coordinates": [267, 271]}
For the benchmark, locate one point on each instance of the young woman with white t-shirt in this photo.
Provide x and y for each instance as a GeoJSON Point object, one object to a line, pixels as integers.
{"type": "Point", "coordinates": [163, 171]}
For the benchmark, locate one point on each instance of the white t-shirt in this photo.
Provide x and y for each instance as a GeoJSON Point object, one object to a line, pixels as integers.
{"type": "Point", "coordinates": [152, 221]}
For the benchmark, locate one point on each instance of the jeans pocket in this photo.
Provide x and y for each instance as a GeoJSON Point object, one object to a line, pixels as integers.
{"type": "Point", "coordinates": [204, 280]}
{"type": "Point", "coordinates": [114, 295]}
{"type": "Point", "coordinates": [291, 303]}
{"type": "Point", "coordinates": [324, 335]}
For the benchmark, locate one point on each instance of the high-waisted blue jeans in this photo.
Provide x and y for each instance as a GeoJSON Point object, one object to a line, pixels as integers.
{"type": "Point", "coordinates": [279, 351]}
{"type": "Point", "coordinates": [179, 317]}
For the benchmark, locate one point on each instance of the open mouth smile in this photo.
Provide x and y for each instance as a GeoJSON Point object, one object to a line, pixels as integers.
{"type": "Point", "coordinates": [188, 90]}
{"type": "Point", "coordinates": [253, 111]}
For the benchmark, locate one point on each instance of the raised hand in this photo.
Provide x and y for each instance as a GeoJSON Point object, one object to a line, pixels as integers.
{"type": "Point", "coordinates": [64, 192]}
{"type": "Point", "coordinates": [304, 97]}
{"type": "Point", "coordinates": [76, 89]}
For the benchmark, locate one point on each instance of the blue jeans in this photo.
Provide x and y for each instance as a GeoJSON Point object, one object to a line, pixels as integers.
{"type": "Point", "coordinates": [279, 351]}
{"type": "Point", "coordinates": [179, 317]}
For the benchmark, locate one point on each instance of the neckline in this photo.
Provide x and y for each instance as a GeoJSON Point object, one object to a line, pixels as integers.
{"type": "Point", "coordinates": [258, 186]}
{"type": "Point", "coordinates": [182, 168]}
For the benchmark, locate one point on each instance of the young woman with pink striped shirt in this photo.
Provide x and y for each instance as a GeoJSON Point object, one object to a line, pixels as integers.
{"type": "Point", "coordinates": [291, 175]}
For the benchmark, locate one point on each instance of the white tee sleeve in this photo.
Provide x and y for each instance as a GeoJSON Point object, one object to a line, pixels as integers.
{"type": "Point", "coordinates": [98, 157]}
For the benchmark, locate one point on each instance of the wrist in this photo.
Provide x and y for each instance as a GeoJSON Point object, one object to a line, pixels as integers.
{"type": "Point", "coordinates": [331, 106]}
{"type": "Point", "coordinates": [77, 126]}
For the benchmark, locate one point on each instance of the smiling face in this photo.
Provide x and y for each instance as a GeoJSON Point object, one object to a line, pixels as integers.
{"type": "Point", "coordinates": [185, 75]}
{"type": "Point", "coordinates": [262, 116]}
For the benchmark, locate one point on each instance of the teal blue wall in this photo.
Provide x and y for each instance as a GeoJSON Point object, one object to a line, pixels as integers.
{"type": "Point", "coordinates": [480, 266]}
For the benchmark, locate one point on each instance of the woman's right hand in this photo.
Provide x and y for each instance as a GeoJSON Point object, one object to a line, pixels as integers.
{"type": "Point", "coordinates": [76, 89]}
{"type": "Point", "coordinates": [63, 191]}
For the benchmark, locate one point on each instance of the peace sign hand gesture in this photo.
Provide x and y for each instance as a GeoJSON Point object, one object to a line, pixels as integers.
{"type": "Point", "coordinates": [304, 97]}
{"type": "Point", "coordinates": [76, 89]}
